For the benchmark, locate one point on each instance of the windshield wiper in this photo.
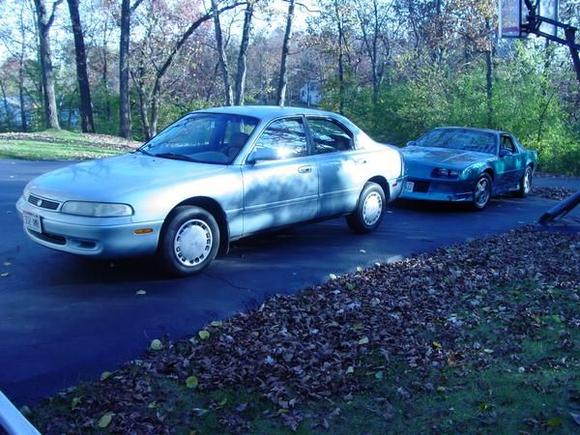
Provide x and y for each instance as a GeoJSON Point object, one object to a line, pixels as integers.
{"type": "Point", "coordinates": [175, 156]}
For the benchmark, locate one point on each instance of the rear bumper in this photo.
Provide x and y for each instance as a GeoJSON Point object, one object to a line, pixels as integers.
{"type": "Point", "coordinates": [106, 238]}
{"type": "Point", "coordinates": [438, 190]}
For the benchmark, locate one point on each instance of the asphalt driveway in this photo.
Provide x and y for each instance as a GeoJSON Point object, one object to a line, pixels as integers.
{"type": "Point", "coordinates": [64, 319]}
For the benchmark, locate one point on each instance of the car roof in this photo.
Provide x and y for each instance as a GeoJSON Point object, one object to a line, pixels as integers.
{"type": "Point", "coordinates": [267, 112]}
{"type": "Point", "coordinates": [482, 130]}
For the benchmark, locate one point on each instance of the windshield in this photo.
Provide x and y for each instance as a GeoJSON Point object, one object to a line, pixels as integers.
{"type": "Point", "coordinates": [460, 139]}
{"type": "Point", "coordinates": [203, 137]}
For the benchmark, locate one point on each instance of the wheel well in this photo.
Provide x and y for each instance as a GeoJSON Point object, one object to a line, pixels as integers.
{"type": "Point", "coordinates": [489, 172]}
{"type": "Point", "coordinates": [212, 206]}
{"type": "Point", "coordinates": [381, 181]}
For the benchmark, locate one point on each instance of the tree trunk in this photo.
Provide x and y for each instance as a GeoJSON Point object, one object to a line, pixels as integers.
{"type": "Point", "coordinates": [340, 58]}
{"type": "Point", "coordinates": [23, 123]}
{"type": "Point", "coordinates": [124, 103]}
{"type": "Point", "coordinates": [6, 108]}
{"type": "Point", "coordinates": [44, 24]}
{"type": "Point", "coordinates": [283, 80]}
{"type": "Point", "coordinates": [221, 53]}
{"type": "Point", "coordinates": [86, 107]}
{"type": "Point", "coordinates": [489, 77]}
{"type": "Point", "coordinates": [242, 56]}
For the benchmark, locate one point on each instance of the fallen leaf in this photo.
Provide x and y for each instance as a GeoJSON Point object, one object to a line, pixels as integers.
{"type": "Point", "coordinates": [216, 323]}
{"type": "Point", "coordinates": [156, 344]}
{"type": "Point", "coordinates": [140, 292]}
{"type": "Point", "coordinates": [379, 375]}
{"type": "Point", "coordinates": [350, 370]}
{"type": "Point", "coordinates": [75, 402]}
{"type": "Point", "coordinates": [203, 334]}
{"type": "Point", "coordinates": [576, 417]}
{"type": "Point", "coordinates": [554, 421]}
{"type": "Point", "coordinates": [4, 274]}
{"type": "Point", "coordinates": [332, 276]}
{"type": "Point", "coordinates": [364, 340]}
{"type": "Point", "coordinates": [191, 382]}
{"type": "Point", "coordinates": [105, 375]}
{"type": "Point", "coordinates": [105, 420]}
{"type": "Point", "coordinates": [7, 263]}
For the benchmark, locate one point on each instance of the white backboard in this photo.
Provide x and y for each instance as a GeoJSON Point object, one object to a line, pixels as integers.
{"type": "Point", "coordinates": [510, 18]}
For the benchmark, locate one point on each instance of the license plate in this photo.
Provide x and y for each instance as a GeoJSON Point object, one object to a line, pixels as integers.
{"type": "Point", "coordinates": [32, 222]}
{"type": "Point", "coordinates": [409, 186]}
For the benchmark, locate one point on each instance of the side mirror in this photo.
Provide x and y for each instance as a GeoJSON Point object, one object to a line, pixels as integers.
{"type": "Point", "coordinates": [261, 155]}
{"type": "Point", "coordinates": [504, 153]}
{"type": "Point", "coordinates": [411, 143]}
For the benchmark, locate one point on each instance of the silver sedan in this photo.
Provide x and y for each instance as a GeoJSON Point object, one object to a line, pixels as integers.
{"type": "Point", "coordinates": [212, 177]}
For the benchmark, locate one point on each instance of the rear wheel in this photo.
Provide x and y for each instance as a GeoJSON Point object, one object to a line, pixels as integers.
{"type": "Point", "coordinates": [525, 185]}
{"type": "Point", "coordinates": [190, 241]}
{"type": "Point", "coordinates": [369, 211]}
{"type": "Point", "coordinates": [481, 192]}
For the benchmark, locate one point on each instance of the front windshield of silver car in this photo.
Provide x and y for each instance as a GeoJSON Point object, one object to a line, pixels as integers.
{"type": "Point", "coordinates": [460, 139]}
{"type": "Point", "coordinates": [214, 138]}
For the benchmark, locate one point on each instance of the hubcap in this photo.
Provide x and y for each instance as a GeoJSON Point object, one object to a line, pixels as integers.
{"type": "Point", "coordinates": [193, 242]}
{"type": "Point", "coordinates": [482, 192]}
{"type": "Point", "coordinates": [528, 181]}
{"type": "Point", "coordinates": [372, 208]}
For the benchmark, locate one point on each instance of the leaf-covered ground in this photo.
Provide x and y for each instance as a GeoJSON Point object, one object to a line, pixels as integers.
{"type": "Point", "coordinates": [62, 145]}
{"type": "Point", "coordinates": [477, 337]}
{"type": "Point", "coordinates": [556, 193]}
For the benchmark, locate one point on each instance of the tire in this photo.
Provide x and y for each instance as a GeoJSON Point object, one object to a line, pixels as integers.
{"type": "Point", "coordinates": [190, 241]}
{"type": "Point", "coordinates": [369, 211]}
{"type": "Point", "coordinates": [525, 185]}
{"type": "Point", "coordinates": [482, 192]}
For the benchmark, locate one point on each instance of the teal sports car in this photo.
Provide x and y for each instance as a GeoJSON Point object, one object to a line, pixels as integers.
{"type": "Point", "coordinates": [468, 165]}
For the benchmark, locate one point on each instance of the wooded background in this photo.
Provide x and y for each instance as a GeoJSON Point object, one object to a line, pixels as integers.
{"type": "Point", "coordinates": [395, 67]}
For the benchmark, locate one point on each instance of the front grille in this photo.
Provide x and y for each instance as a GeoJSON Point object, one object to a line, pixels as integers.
{"type": "Point", "coordinates": [43, 203]}
{"type": "Point", "coordinates": [50, 238]}
{"type": "Point", "coordinates": [421, 186]}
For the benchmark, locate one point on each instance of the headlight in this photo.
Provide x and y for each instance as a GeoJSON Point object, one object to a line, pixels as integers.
{"type": "Point", "coordinates": [442, 172]}
{"type": "Point", "coordinates": [96, 209]}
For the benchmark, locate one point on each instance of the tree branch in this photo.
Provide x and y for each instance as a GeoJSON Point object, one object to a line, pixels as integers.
{"type": "Point", "coordinates": [52, 15]}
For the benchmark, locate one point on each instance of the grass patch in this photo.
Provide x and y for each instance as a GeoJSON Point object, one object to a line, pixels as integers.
{"type": "Point", "coordinates": [61, 145]}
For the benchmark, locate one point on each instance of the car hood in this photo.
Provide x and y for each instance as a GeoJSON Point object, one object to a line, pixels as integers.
{"type": "Point", "coordinates": [113, 178]}
{"type": "Point", "coordinates": [443, 157]}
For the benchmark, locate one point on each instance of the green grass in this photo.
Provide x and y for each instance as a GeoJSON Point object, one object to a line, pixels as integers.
{"type": "Point", "coordinates": [59, 145]}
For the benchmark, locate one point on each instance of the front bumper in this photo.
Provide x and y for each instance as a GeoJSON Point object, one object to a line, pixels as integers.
{"type": "Point", "coordinates": [438, 190]}
{"type": "Point", "coordinates": [94, 237]}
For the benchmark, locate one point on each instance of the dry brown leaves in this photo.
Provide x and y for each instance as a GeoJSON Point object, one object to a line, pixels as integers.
{"type": "Point", "coordinates": [311, 346]}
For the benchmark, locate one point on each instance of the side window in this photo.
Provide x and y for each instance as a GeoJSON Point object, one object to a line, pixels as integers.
{"type": "Point", "coordinates": [329, 137]}
{"type": "Point", "coordinates": [507, 144]}
{"type": "Point", "coordinates": [283, 139]}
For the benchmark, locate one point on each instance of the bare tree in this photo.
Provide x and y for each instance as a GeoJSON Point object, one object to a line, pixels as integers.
{"type": "Point", "coordinates": [223, 63]}
{"type": "Point", "coordinates": [243, 54]}
{"type": "Point", "coordinates": [86, 107]}
{"type": "Point", "coordinates": [283, 78]}
{"type": "Point", "coordinates": [124, 41]}
{"type": "Point", "coordinates": [45, 22]}
{"type": "Point", "coordinates": [149, 97]}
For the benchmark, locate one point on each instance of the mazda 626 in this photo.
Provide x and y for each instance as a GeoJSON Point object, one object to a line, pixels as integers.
{"type": "Point", "coordinates": [212, 177]}
{"type": "Point", "coordinates": [467, 164]}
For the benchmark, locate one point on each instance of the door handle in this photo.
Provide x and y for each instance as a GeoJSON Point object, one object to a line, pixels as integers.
{"type": "Point", "coordinates": [305, 169]}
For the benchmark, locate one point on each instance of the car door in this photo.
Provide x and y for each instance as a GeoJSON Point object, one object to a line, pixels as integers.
{"type": "Point", "coordinates": [509, 163]}
{"type": "Point", "coordinates": [280, 179]}
{"type": "Point", "coordinates": [340, 166]}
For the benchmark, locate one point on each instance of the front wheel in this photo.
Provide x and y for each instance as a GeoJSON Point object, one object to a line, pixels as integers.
{"type": "Point", "coordinates": [190, 241]}
{"type": "Point", "coordinates": [369, 210]}
{"type": "Point", "coordinates": [482, 192]}
{"type": "Point", "coordinates": [525, 185]}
